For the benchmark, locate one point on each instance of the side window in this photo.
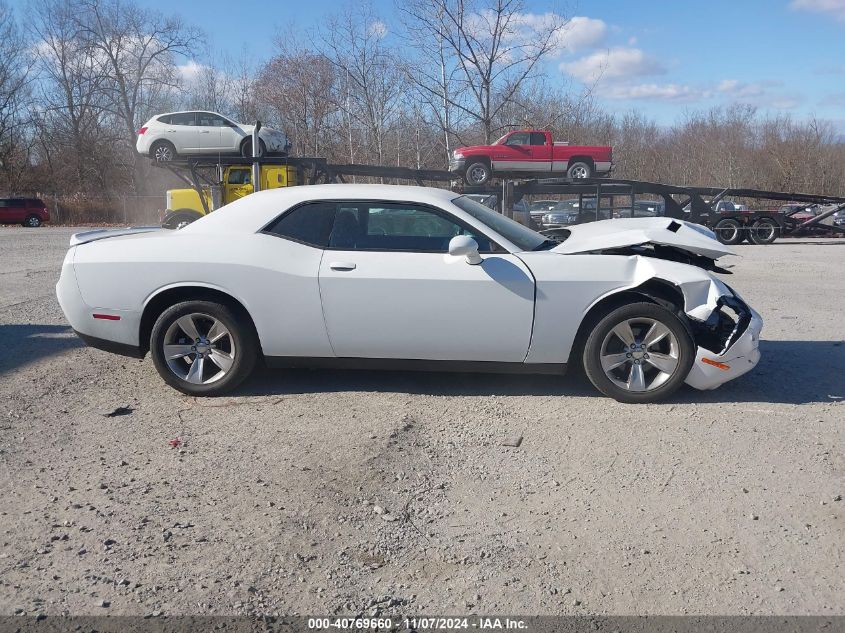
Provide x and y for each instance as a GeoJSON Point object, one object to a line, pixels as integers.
{"type": "Point", "coordinates": [167, 119]}
{"type": "Point", "coordinates": [538, 138]}
{"type": "Point", "coordinates": [310, 224]}
{"type": "Point", "coordinates": [519, 138]}
{"type": "Point", "coordinates": [239, 177]}
{"type": "Point", "coordinates": [183, 118]}
{"type": "Point", "coordinates": [397, 227]}
{"type": "Point", "coordinates": [207, 119]}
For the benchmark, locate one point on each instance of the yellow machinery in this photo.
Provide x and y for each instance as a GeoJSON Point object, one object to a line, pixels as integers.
{"type": "Point", "coordinates": [184, 205]}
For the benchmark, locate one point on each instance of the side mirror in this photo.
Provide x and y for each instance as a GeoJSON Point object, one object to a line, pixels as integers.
{"type": "Point", "coordinates": [465, 246]}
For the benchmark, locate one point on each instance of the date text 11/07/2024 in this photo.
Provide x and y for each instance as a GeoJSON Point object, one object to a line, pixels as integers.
{"type": "Point", "coordinates": [420, 624]}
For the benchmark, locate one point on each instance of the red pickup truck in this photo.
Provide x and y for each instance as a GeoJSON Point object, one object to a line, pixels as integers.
{"type": "Point", "coordinates": [530, 152]}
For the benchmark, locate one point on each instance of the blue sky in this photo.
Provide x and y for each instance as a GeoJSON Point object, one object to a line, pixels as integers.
{"type": "Point", "coordinates": [662, 57]}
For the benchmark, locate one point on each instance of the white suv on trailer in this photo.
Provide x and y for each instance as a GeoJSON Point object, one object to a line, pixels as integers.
{"type": "Point", "coordinates": [166, 136]}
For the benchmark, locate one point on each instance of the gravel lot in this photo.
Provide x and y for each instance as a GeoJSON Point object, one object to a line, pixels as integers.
{"type": "Point", "coordinates": [364, 492]}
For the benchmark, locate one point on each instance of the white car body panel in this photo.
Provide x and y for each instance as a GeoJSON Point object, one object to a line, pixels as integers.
{"type": "Point", "coordinates": [427, 306]}
{"type": "Point", "coordinates": [515, 307]}
{"type": "Point", "coordinates": [622, 232]}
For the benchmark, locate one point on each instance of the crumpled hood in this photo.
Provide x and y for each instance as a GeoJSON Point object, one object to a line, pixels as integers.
{"type": "Point", "coordinates": [622, 232]}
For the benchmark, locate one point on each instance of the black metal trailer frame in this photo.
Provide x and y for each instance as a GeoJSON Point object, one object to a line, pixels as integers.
{"type": "Point", "coordinates": [691, 203]}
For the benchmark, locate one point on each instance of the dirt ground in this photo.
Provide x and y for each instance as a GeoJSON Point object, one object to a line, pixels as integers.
{"type": "Point", "coordinates": [322, 492]}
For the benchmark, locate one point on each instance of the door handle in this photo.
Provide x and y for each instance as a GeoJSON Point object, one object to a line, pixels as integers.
{"type": "Point", "coordinates": [205, 131]}
{"type": "Point", "coordinates": [342, 266]}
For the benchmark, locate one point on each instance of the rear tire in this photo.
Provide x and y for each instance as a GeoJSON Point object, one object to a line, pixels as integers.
{"type": "Point", "coordinates": [728, 231]}
{"type": "Point", "coordinates": [163, 151]}
{"type": "Point", "coordinates": [764, 231]}
{"type": "Point", "coordinates": [639, 353]}
{"type": "Point", "coordinates": [203, 348]}
{"type": "Point", "coordinates": [579, 170]}
{"type": "Point", "coordinates": [32, 221]}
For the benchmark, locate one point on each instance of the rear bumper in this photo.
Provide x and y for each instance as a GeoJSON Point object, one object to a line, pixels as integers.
{"type": "Point", "coordinates": [120, 333]}
{"type": "Point", "coordinates": [123, 349]}
{"type": "Point", "coordinates": [711, 370]}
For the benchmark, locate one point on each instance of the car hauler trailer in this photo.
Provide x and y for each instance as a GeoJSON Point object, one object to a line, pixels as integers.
{"type": "Point", "coordinates": [213, 182]}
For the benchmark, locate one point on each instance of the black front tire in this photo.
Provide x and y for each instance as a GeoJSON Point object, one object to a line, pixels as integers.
{"type": "Point", "coordinates": [32, 221]}
{"type": "Point", "coordinates": [651, 311]}
{"type": "Point", "coordinates": [244, 340]}
{"type": "Point", "coordinates": [478, 174]}
{"type": "Point", "coordinates": [729, 232]}
{"type": "Point", "coordinates": [180, 219]}
{"type": "Point", "coordinates": [246, 148]}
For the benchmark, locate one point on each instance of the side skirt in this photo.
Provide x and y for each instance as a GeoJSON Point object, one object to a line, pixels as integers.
{"type": "Point", "coordinates": [393, 364]}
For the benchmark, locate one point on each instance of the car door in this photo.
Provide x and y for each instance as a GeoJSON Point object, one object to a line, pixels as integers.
{"type": "Point", "coordinates": [390, 290]}
{"type": "Point", "coordinates": [514, 154]}
{"type": "Point", "coordinates": [238, 183]}
{"type": "Point", "coordinates": [13, 210]}
{"type": "Point", "coordinates": [183, 132]}
{"type": "Point", "coordinates": [541, 152]}
{"type": "Point", "coordinates": [208, 125]}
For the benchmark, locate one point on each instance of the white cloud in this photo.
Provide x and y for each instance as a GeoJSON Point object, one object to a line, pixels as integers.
{"type": "Point", "coordinates": [190, 70]}
{"type": "Point", "coordinates": [836, 8]}
{"type": "Point", "coordinates": [654, 92]}
{"type": "Point", "coordinates": [764, 94]}
{"type": "Point", "coordinates": [580, 33]}
{"type": "Point", "coordinates": [378, 28]}
{"type": "Point", "coordinates": [613, 65]}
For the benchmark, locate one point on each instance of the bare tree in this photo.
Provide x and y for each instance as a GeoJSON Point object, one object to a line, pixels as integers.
{"type": "Point", "coordinates": [370, 80]}
{"type": "Point", "coordinates": [138, 49]}
{"type": "Point", "coordinates": [15, 77]}
{"type": "Point", "coordinates": [490, 45]}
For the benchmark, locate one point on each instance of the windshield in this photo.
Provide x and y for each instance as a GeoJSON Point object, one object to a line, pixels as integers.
{"type": "Point", "coordinates": [502, 140]}
{"type": "Point", "coordinates": [523, 237]}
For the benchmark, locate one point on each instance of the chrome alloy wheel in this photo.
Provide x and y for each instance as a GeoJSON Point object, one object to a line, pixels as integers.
{"type": "Point", "coordinates": [639, 354]}
{"type": "Point", "coordinates": [199, 349]}
{"type": "Point", "coordinates": [478, 174]}
{"type": "Point", "coordinates": [579, 172]}
{"type": "Point", "coordinates": [163, 153]}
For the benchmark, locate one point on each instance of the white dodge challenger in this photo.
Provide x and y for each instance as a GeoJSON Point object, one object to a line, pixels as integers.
{"type": "Point", "coordinates": [382, 276]}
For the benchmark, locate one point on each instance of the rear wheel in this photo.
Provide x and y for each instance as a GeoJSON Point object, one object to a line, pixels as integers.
{"type": "Point", "coordinates": [163, 151]}
{"type": "Point", "coordinates": [641, 352]}
{"type": "Point", "coordinates": [764, 231]}
{"type": "Point", "coordinates": [728, 231]}
{"type": "Point", "coordinates": [203, 347]}
{"type": "Point", "coordinates": [32, 221]}
{"type": "Point", "coordinates": [579, 170]}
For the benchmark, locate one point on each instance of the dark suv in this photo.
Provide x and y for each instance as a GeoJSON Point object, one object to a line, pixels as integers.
{"type": "Point", "coordinates": [27, 211]}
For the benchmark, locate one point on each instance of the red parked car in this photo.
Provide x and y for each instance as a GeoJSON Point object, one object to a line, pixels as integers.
{"type": "Point", "coordinates": [27, 211]}
{"type": "Point", "coordinates": [530, 152]}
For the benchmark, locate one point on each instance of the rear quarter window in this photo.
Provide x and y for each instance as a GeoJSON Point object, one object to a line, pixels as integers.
{"type": "Point", "coordinates": [309, 224]}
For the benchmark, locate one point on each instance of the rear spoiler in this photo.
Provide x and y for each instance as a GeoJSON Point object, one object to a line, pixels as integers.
{"type": "Point", "coordinates": [101, 234]}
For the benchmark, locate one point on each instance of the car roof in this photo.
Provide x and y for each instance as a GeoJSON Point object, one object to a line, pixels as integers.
{"type": "Point", "coordinates": [251, 213]}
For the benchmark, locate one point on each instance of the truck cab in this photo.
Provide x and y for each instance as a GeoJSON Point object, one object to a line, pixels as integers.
{"type": "Point", "coordinates": [235, 181]}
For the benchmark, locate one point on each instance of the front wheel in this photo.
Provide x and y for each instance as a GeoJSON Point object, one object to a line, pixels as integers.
{"type": "Point", "coordinates": [246, 149]}
{"type": "Point", "coordinates": [32, 221]}
{"type": "Point", "coordinates": [203, 348]}
{"type": "Point", "coordinates": [478, 174]}
{"type": "Point", "coordinates": [728, 231]}
{"type": "Point", "coordinates": [639, 353]}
